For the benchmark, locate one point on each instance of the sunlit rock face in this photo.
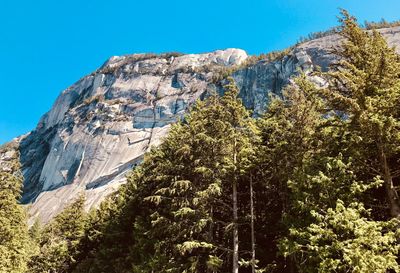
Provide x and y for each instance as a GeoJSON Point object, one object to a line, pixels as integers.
{"type": "Point", "coordinates": [100, 127]}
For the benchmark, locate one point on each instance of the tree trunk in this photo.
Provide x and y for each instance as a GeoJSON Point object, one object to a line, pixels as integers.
{"type": "Point", "coordinates": [253, 241]}
{"type": "Point", "coordinates": [210, 232]}
{"type": "Point", "coordinates": [391, 192]}
{"type": "Point", "coordinates": [235, 257]}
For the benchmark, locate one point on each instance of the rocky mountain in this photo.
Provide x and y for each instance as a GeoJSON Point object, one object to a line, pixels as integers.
{"type": "Point", "coordinates": [100, 127]}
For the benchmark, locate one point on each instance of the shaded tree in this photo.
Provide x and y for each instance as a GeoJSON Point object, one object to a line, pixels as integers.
{"type": "Point", "coordinates": [14, 238]}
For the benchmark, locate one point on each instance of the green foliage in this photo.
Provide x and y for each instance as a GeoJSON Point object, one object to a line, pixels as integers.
{"type": "Point", "coordinates": [175, 212]}
{"type": "Point", "coordinates": [364, 90]}
{"type": "Point", "coordinates": [58, 242]}
{"type": "Point", "coordinates": [96, 99]}
{"type": "Point", "coordinates": [14, 240]}
{"type": "Point", "coordinates": [368, 25]}
{"type": "Point", "coordinates": [343, 239]}
{"type": "Point", "coordinates": [220, 73]}
{"type": "Point", "coordinates": [381, 24]}
{"type": "Point", "coordinates": [293, 131]}
{"type": "Point", "coordinates": [317, 35]}
{"type": "Point", "coordinates": [135, 58]}
{"type": "Point", "coordinates": [194, 173]}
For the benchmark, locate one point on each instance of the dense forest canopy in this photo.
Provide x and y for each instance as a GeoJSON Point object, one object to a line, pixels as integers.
{"type": "Point", "coordinates": [311, 186]}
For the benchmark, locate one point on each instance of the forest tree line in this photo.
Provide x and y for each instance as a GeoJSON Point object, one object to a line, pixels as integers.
{"type": "Point", "coordinates": [311, 186]}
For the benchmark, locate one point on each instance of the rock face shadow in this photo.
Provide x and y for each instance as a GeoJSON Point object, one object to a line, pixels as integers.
{"type": "Point", "coordinates": [34, 150]}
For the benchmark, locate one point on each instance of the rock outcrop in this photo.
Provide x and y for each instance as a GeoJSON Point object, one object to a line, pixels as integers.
{"type": "Point", "coordinates": [262, 78]}
{"type": "Point", "coordinates": [100, 127]}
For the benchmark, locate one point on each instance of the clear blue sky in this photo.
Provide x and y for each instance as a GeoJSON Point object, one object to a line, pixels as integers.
{"type": "Point", "coordinates": [47, 45]}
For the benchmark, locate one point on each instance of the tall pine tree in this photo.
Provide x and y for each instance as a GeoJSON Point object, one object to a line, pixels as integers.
{"type": "Point", "coordinates": [202, 163]}
{"type": "Point", "coordinates": [59, 240]}
{"type": "Point", "coordinates": [14, 238]}
{"type": "Point", "coordinates": [364, 91]}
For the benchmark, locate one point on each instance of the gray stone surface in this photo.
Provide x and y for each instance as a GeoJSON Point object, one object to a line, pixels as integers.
{"type": "Point", "coordinates": [263, 78]}
{"type": "Point", "coordinates": [100, 127]}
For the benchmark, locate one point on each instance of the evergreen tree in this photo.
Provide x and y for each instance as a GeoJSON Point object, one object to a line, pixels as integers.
{"type": "Point", "coordinates": [364, 91]}
{"type": "Point", "coordinates": [343, 239]}
{"type": "Point", "coordinates": [175, 212]}
{"type": "Point", "coordinates": [315, 192]}
{"type": "Point", "coordinates": [200, 165]}
{"type": "Point", "coordinates": [292, 133]}
{"type": "Point", "coordinates": [59, 240]}
{"type": "Point", "coordinates": [115, 238]}
{"type": "Point", "coordinates": [14, 240]}
{"type": "Point", "coordinates": [240, 139]}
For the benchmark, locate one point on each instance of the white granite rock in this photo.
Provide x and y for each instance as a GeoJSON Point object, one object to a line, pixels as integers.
{"type": "Point", "coordinates": [100, 127]}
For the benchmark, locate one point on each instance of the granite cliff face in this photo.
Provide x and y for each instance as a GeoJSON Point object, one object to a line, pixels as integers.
{"type": "Point", "coordinates": [257, 80]}
{"type": "Point", "coordinates": [100, 127]}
